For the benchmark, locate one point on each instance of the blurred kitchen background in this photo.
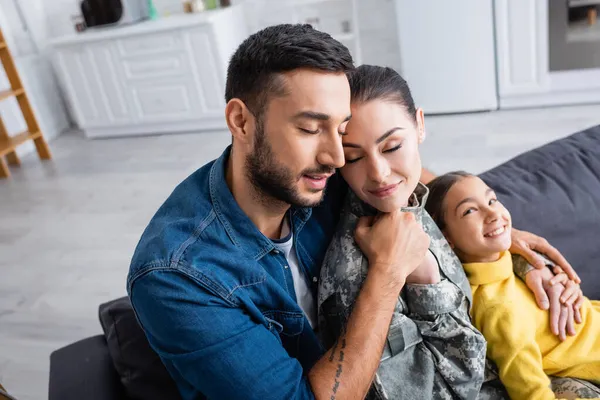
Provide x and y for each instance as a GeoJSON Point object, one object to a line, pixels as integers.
{"type": "Point", "coordinates": [131, 101]}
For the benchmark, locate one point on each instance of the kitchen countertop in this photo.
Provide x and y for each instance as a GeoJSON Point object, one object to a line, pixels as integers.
{"type": "Point", "coordinates": [175, 21]}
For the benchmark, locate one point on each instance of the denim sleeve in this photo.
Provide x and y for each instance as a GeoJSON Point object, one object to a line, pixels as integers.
{"type": "Point", "coordinates": [211, 345]}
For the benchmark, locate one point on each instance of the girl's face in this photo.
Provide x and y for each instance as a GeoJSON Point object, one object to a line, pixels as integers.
{"type": "Point", "coordinates": [381, 148]}
{"type": "Point", "coordinates": [477, 224]}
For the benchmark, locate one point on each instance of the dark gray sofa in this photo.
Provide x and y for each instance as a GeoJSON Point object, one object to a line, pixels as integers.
{"type": "Point", "coordinates": [553, 191]}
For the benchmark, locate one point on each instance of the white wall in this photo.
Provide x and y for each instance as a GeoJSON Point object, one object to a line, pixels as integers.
{"type": "Point", "coordinates": [378, 33]}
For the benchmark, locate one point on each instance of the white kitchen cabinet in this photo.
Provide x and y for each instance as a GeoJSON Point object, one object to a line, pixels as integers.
{"type": "Point", "coordinates": [525, 79]}
{"type": "Point", "coordinates": [94, 92]}
{"type": "Point", "coordinates": [521, 46]}
{"type": "Point", "coordinates": [163, 76]}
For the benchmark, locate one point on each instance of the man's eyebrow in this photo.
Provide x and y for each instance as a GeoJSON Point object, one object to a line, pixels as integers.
{"type": "Point", "coordinates": [312, 115]}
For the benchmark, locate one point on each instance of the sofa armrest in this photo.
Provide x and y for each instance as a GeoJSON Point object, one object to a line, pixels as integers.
{"type": "Point", "coordinates": [84, 370]}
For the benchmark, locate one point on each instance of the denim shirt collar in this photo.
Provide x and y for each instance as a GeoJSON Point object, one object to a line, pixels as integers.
{"type": "Point", "coordinates": [240, 229]}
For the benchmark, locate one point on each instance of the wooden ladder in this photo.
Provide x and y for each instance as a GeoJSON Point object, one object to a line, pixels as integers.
{"type": "Point", "coordinates": [8, 144]}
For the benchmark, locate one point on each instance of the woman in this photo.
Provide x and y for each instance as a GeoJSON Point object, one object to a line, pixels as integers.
{"type": "Point", "coordinates": [433, 350]}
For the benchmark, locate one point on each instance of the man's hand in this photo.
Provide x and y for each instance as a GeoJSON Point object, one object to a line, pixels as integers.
{"type": "Point", "coordinates": [394, 243]}
{"type": "Point", "coordinates": [526, 244]}
{"type": "Point", "coordinates": [548, 290]}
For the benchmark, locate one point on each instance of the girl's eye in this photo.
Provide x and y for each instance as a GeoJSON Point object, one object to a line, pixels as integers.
{"type": "Point", "coordinates": [469, 211]}
{"type": "Point", "coordinates": [393, 149]}
{"type": "Point", "coordinates": [493, 201]}
{"type": "Point", "coordinates": [309, 131]}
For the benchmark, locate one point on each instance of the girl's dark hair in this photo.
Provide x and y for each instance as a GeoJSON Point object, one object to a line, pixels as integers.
{"type": "Point", "coordinates": [438, 189]}
{"type": "Point", "coordinates": [370, 82]}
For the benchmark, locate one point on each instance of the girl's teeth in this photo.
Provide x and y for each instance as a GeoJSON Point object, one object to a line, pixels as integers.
{"type": "Point", "coordinates": [496, 232]}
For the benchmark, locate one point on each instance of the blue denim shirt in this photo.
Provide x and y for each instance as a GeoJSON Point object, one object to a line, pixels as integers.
{"type": "Point", "coordinates": [216, 298]}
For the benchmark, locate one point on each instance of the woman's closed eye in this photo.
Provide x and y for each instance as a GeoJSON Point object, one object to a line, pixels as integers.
{"type": "Point", "coordinates": [398, 147]}
{"type": "Point", "coordinates": [350, 160]}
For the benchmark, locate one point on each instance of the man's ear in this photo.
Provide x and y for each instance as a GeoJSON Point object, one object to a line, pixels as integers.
{"type": "Point", "coordinates": [240, 121]}
{"type": "Point", "coordinates": [420, 116]}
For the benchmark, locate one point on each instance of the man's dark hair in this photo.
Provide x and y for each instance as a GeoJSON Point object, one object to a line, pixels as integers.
{"type": "Point", "coordinates": [253, 68]}
{"type": "Point", "coordinates": [371, 82]}
{"type": "Point", "coordinates": [438, 189]}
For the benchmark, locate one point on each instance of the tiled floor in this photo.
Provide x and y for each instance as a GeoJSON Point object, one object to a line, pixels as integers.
{"type": "Point", "coordinates": [69, 227]}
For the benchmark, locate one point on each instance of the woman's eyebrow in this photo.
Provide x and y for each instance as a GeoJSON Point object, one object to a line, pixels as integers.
{"type": "Point", "coordinates": [387, 134]}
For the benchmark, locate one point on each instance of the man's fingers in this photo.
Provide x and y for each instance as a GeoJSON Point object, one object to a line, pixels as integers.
{"type": "Point", "coordinates": [570, 321]}
{"type": "Point", "coordinates": [363, 225]}
{"type": "Point", "coordinates": [533, 258]}
{"type": "Point", "coordinates": [562, 322]}
{"type": "Point", "coordinates": [544, 247]}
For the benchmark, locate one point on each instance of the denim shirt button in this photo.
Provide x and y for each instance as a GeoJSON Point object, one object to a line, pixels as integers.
{"type": "Point", "coordinates": [275, 251]}
{"type": "Point", "coordinates": [315, 279]}
{"type": "Point", "coordinates": [285, 266]}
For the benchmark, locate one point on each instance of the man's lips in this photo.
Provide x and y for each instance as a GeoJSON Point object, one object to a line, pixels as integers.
{"type": "Point", "coordinates": [384, 191]}
{"type": "Point", "coordinates": [316, 181]}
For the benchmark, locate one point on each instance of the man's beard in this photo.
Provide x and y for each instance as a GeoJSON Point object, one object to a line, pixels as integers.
{"type": "Point", "coordinates": [275, 180]}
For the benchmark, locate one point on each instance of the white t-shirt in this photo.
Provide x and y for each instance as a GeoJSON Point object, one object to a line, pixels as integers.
{"type": "Point", "coordinates": [304, 295]}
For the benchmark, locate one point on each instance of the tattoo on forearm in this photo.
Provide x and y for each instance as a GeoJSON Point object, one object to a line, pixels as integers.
{"type": "Point", "coordinates": [338, 372]}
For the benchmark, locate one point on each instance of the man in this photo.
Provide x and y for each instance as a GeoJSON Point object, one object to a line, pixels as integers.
{"type": "Point", "coordinates": [224, 277]}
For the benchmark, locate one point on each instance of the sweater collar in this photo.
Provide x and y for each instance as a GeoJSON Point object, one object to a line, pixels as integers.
{"type": "Point", "coordinates": [489, 272]}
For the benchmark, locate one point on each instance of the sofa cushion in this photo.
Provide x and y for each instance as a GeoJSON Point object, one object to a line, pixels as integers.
{"type": "Point", "coordinates": [554, 191]}
{"type": "Point", "coordinates": [141, 371]}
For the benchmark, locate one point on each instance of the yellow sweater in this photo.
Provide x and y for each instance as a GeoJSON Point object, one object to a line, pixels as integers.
{"type": "Point", "coordinates": [518, 333]}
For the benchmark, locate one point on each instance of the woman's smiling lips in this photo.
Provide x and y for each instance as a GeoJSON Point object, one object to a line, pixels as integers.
{"type": "Point", "coordinates": [384, 191]}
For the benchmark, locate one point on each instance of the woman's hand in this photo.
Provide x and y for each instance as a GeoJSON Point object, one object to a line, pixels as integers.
{"type": "Point", "coordinates": [526, 244]}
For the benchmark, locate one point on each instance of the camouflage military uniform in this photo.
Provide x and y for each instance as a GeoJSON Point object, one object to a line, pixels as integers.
{"type": "Point", "coordinates": [432, 350]}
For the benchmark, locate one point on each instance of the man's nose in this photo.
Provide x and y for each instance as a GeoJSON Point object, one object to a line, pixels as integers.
{"type": "Point", "coordinates": [331, 153]}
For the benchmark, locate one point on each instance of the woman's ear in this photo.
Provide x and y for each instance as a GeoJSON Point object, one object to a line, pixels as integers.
{"type": "Point", "coordinates": [240, 121]}
{"type": "Point", "coordinates": [421, 125]}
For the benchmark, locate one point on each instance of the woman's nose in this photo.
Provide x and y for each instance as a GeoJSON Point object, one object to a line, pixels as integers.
{"type": "Point", "coordinates": [379, 169]}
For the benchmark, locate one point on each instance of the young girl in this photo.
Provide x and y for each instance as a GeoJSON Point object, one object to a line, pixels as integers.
{"type": "Point", "coordinates": [478, 228]}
